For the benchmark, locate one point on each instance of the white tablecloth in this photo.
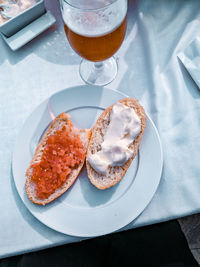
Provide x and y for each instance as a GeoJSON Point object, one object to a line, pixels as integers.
{"type": "Point", "coordinates": [148, 70]}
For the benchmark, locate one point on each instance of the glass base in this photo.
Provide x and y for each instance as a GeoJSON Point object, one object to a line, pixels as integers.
{"type": "Point", "coordinates": [98, 73]}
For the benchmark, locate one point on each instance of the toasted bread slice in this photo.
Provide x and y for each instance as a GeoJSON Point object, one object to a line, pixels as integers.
{"type": "Point", "coordinates": [116, 173]}
{"type": "Point", "coordinates": [57, 124]}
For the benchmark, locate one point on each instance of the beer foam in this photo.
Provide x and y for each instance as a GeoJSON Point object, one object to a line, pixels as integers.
{"type": "Point", "coordinates": [94, 23]}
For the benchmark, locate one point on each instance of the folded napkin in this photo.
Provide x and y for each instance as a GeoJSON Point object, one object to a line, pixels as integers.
{"type": "Point", "coordinates": [190, 57]}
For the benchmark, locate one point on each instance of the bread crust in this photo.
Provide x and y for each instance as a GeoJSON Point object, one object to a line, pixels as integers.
{"type": "Point", "coordinates": [115, 174]}
{"type": "Point", "coordinates": [57, 123]}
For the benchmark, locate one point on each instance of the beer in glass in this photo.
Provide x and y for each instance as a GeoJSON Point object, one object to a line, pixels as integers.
{"type": "Point", "coordinates": [95, 29]}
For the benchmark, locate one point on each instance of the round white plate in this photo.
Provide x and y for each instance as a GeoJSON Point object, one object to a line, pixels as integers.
{"type": "Point", "coordinates": [85, 210]}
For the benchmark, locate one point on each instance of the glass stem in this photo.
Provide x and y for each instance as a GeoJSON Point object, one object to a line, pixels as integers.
{"type": "Point", "coordinates": [98, 65]}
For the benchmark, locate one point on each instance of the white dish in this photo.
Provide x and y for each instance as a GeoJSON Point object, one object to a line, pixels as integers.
{"type": "Point", "coordinates": [84, 210]}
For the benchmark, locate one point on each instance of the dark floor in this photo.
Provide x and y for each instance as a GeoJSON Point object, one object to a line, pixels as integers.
{"type": "Point", "coordinates": [158, 245]}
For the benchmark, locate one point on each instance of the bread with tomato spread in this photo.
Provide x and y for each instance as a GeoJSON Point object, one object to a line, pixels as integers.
{"type": "Point", "coordinates": [57, 162]}
{"type": "Point", "coordinates": [114, 173]}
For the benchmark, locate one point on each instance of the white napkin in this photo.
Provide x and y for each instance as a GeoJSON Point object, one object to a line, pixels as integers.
{"type": "Point", "coordinates": [190, 57]}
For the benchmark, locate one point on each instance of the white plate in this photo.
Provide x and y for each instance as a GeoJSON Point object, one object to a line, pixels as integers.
{"type": "Point", "coordinates": [84, 210]}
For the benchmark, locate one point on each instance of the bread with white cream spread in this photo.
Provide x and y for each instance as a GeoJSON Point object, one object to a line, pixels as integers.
{"type": "Point", "coordinates": [114, 173]}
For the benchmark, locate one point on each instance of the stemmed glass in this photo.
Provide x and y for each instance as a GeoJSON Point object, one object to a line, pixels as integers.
{"type": "Point", "coordinates": [95, 30]}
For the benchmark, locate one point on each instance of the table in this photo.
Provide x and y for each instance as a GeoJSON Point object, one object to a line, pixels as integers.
{"type": "Point", "coordinates": [148, 70]}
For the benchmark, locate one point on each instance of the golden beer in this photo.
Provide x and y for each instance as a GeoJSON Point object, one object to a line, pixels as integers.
{"type": "Point", "coordinates": [97, 48]}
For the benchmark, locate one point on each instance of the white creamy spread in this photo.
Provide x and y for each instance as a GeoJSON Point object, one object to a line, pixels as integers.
{"type": "Point", "coordinates": [124, 127]}
{"type": "Point", "coordinates": [11, 8]}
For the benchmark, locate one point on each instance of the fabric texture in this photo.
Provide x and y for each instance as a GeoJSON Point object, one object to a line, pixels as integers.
{"type": "Point", "coordinates": [149, 70]}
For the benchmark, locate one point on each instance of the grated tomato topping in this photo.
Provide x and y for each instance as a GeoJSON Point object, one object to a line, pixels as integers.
{"type": "Point", "coordinates": [62, 153]}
